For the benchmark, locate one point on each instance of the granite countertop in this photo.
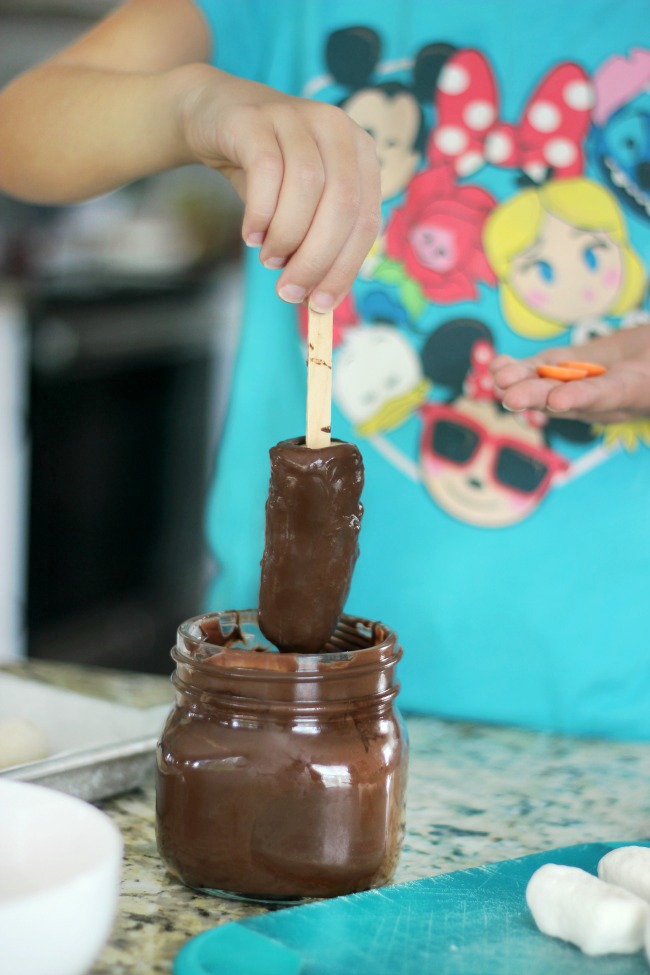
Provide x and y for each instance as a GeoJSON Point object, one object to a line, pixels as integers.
{"type": "Point", "coordinates": [476, 794]}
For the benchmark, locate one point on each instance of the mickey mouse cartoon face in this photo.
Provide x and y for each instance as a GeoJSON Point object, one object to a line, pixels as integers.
{"type": "Point", "coordinates": [390, 111]}
{"type": "Point", "coordinates": [394, 121]}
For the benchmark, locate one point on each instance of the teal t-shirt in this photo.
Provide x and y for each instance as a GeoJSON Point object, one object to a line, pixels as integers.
{"type": "Point", "coordinates": [510, 553]}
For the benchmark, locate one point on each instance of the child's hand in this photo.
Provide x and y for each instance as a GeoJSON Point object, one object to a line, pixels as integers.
{"type": "Point", "coordinates": [308, 175]}
{"type": "Point", "coordinates": [133, 97]}
{"type": "Point", "coordinates": [622, 393]}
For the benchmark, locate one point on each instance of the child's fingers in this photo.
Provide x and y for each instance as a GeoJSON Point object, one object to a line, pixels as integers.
{"type": "Point", "coordinates": [536, 392]}
{"type": "Point", "coordinates": [346, 221]}
{"type": "Point", "coordinates": [531, 393]}
{"type": "Point", "coordinates": [508, 371]}
{"type": "Point", "coordinates": [511, 371]}
{"type": "Point", "coordinates": [302, 187]}
{"type": "Point", "coordinates": [309, 177]}
{"type": "Point", "coordinates": [618, 390]}
{"type": "Point", "coordinates": [340, 277]}
{"type": "Point", "coordinates": [620, 394]}
{"type": "Point", "coordinates": [598, 392]}
{"type": "Point", "coordinates": [319, 265]}
{"type": "Point", "coordinates": [500, 361]}
{"type": "Point", "coordinates": [259, 155]}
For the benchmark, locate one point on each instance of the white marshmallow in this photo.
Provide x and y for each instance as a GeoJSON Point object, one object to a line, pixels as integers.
{"type": "Point", "coordinates": [575, 906]}
{"type": "Point", "coordinates": [628, 867]}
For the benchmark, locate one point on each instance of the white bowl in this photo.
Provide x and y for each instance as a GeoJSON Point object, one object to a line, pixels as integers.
{"type": "Point", "coordinates": [60, 864]}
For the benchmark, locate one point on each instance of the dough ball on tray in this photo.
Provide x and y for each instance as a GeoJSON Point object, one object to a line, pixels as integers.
{"type": "Point", "coordinates": [21, 741]}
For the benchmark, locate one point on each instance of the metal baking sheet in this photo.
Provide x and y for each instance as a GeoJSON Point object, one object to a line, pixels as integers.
{"type": "Point", "coordinates": [94, 774]}
{"type": "Point", "coordinates": [98, 748]}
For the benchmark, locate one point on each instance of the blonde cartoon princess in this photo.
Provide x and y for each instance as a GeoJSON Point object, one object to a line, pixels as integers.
{"type": "Point", "coordinates": [563, 260]}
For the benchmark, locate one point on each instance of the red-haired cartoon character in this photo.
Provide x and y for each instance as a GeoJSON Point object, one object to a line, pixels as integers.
{"type": "Point", "coordinates": [433, 240]}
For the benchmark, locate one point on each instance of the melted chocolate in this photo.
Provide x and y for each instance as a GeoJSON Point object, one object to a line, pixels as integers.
{"type": "Point", "coordinates": [283, 776]}
{"type": "Point", "coordinates": [313, 517]}
{"type": "Point", "coordinates": [224, 630]}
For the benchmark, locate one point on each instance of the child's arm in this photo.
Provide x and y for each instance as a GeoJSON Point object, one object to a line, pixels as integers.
{"type": "Point", "coordinates": [133, 97]}
{"type": "Point", "coordinates": [622, 393]}
{"type": "Point", "coordinates": [107, 109]}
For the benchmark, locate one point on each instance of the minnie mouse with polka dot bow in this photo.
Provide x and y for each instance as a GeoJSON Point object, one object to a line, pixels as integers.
{"type": "Point", "coordinates": [546, 141]}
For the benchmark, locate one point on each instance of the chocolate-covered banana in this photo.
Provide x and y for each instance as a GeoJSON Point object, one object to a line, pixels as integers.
{"type": "Point", "coordinates": [313, 517]}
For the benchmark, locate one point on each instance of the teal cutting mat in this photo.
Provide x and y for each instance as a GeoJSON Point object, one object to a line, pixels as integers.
{"type": "Point", "coordinates": [470, 922]}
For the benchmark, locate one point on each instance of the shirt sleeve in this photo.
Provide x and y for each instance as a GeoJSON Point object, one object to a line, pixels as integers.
{"type": "Point", "coordinates": [241, 32]}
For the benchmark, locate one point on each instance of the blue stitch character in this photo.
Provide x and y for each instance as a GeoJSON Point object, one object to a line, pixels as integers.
{"type": "Point", "coordinates": [620, 138]}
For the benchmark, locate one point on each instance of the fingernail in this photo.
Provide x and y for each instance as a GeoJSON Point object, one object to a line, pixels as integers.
{"type": "Point", "coordinates": [273, 263]}
{"type": "Point", "coordinates": [554, 409]}
{"type": "Point", "coordinates": [292, 293]}
{"type": "Point", "coordinates": [511, 409]}
{"type": "Point", "coordinates": [322, 302]}
{"type": "Point", "coordinates": [254, 240]}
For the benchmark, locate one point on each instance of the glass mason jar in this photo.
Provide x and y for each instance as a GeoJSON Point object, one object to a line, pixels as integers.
{"type": "Point", "coordinates": [282, 776]}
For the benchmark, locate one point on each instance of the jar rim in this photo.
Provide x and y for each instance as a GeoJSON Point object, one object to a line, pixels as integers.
{"type": "Point", "coordinates": [192, 648]}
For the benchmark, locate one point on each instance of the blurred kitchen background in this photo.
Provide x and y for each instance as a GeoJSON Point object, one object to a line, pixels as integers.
{"type": "Point", "coordinates": [118, 325]}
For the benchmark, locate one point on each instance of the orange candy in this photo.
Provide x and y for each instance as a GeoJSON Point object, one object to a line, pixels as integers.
{"type": "Point", "coordinates": [567, 370]}
{"type": "Point", "coordinates": [591, 368]}
{"type": "Point", "coordinates": [564, 373]}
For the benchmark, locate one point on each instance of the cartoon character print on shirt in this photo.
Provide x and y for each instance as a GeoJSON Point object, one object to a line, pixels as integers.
{"type": "Point", "coordinates": [482, 464]}
{"type": "Point", "coordinates": [434, 251]}
{"type": "Point", "coordinates": [620, 138]}
{"type": "Point", "coordinates": [432, 243]}
{"type": "Point", "coordinates": [377, 380]}
{"type": "Point", "coordinates": [563, 260]}
{"type": "Point", "coordinates": [391, 111]}
{"type": "Point", "coordinates": [547, 139]}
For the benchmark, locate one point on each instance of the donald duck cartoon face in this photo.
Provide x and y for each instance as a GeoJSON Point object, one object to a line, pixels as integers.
{"type": "Point", "coordinates": [377, 380]}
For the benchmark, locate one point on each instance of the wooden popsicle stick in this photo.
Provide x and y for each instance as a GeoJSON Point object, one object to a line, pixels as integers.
{"type": "Point", "coordinates": [319, 379]}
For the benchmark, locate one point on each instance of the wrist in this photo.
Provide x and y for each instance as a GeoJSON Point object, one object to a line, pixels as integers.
{"type": "Point", "coordinates": [187, 84]}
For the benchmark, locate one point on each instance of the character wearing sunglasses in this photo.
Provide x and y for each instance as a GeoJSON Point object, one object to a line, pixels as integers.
{"type": "Point", "coordinates": [480, 463]}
